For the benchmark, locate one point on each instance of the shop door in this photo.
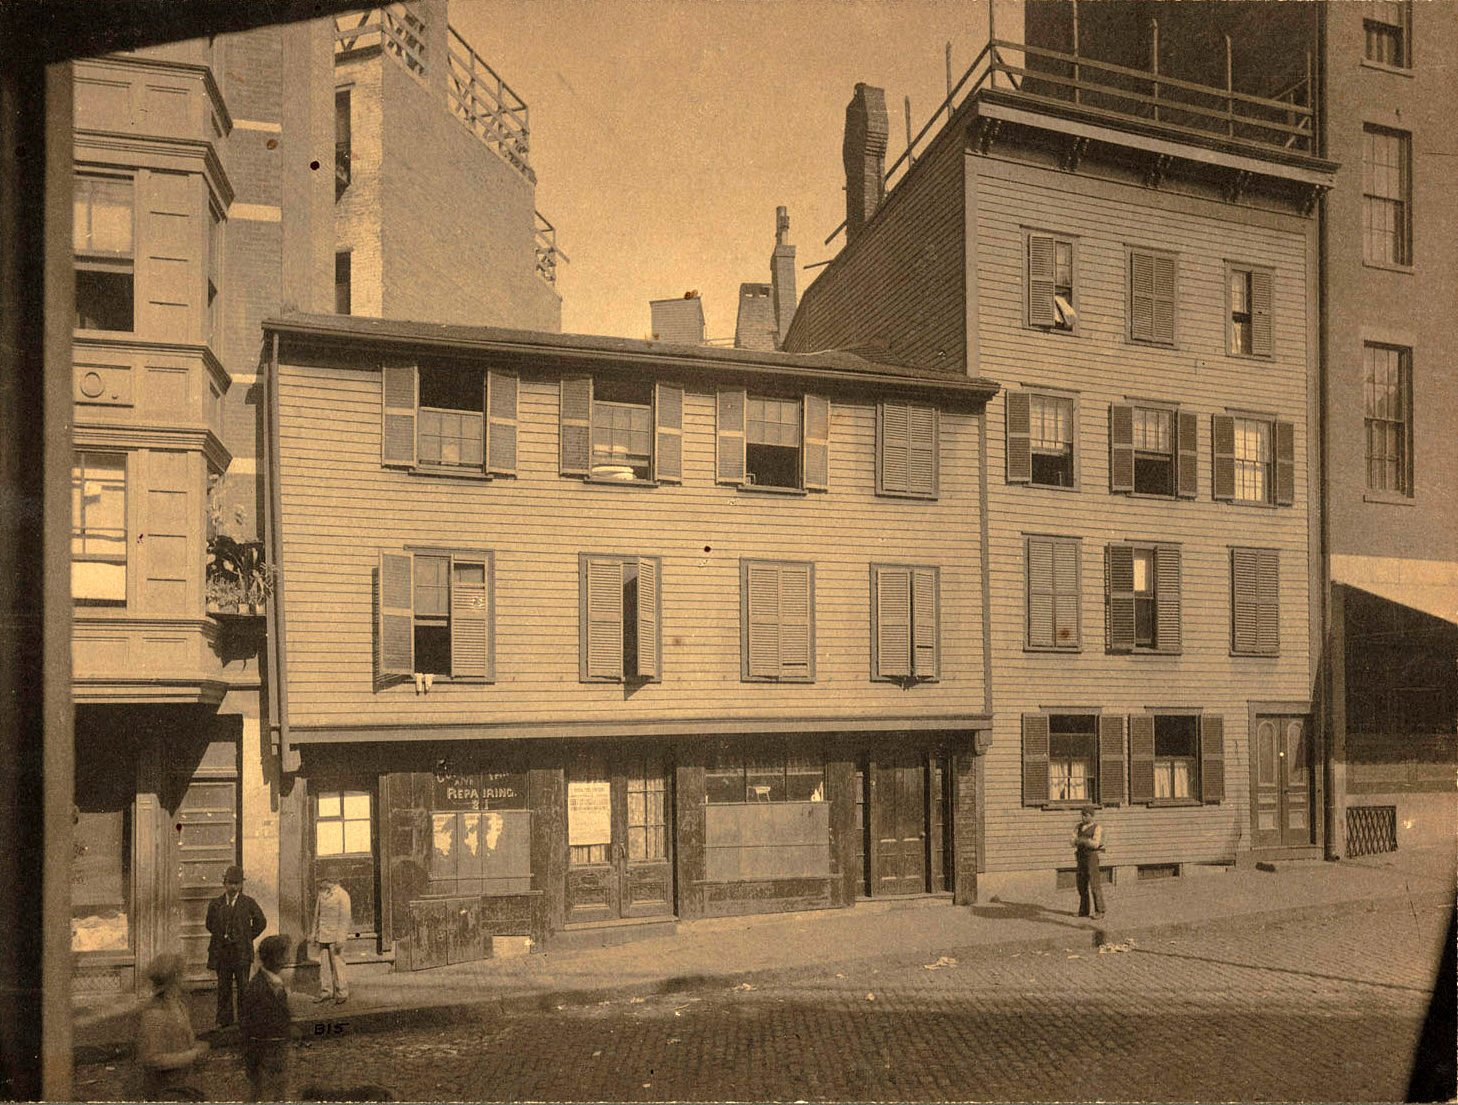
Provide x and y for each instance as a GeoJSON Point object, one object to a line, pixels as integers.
{"type": "Point", "coordinates": [619, 843]}
{"type": "Point", "coordinates": [899, 824]}
{"type": "Point", "coordinates": [207, 843]}
{"type": "Point", "coordinates": [1283, 782]}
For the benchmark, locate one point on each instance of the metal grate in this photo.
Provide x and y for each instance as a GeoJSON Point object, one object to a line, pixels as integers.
{"type": "Point", "coordinates": [1371, 829]}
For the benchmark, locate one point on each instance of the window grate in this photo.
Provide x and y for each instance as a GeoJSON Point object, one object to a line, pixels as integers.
{"type": "Point", "coordinates": [1371, 830]}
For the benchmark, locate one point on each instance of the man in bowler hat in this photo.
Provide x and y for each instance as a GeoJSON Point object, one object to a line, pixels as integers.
{"type": "Point", "coordinates": [234, 922]}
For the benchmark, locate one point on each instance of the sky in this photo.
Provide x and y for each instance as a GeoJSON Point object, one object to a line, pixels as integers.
{"type": "Point", "coordinates": [664, 133]}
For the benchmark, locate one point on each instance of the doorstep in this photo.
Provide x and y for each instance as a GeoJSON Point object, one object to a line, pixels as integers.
{"type": "Point", "coordinates": [606, 934]}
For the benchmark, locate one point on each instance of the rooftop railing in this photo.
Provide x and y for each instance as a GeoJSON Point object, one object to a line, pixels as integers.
{"type": "Point", "coordinates": [547, 252]}
{"type": "Point", "coordinates": [394, 29]}
{"type": "Point", "coordinates": [487, 104]}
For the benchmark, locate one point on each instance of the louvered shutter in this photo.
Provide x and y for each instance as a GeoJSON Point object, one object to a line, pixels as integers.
{"type": "Point", "coordinates": [924, 475]}
{"type": "Point", "coordinates": [1035, 759]}
{"type": "Point", "coordinates": [1244, 611]}
{"type": "Point", "coordinates": [649, 635]}
{"type": "Point", "coordinates": [760, 585]}
{"type": "Point", "coordinates": [1141, 758]}
{"type": "Point", "coordinates": [668, 433]}
{"type": "Point", "coordinates": [1040, 592]}
{"type": "Point", "coordinates": [395, 631]}
{"type": "Point", "coordinates": [893, 622]}
{"type": "Point", "coordinates": [470, 624]}
{"type": "Point", "coordinates": [1019, 433]}
{"type": "Point", "coordinates": [1119, 588]}
{"type": "Point", "coordinates": [574, 426]}
{"type": "Point", "coordinates": [1040, 280]}
{"type": "Point", "coordinates": [1111, 760]}
{"type": "Point", "coordinates": [924, 628]}
{"type": "Point", "coordinates": [797, 630]}
{"type": "Point", "coordinates": [1268, 601]}
{"type": "Point", "coordinates": [1261, 342]}
{"type": "Point", "coordinates": [1212, 758]}
{"type": "Point", "coordinates": [729, 436]}
{"type": "Point", "coordinates": [894, 455]}
{"type": "Point", "coordinates": [1285, 463]}
{"type": "Point", "coordinates": [817, 443]}
{"type": "Point", "coordinates": [1141, 296]}
{"type": "Point", "coordinates": [501, 403]}
{"type": "Point", "coordinates": [1187, 444]}
{"type": "Point", "coordinates": [397, 416]}
{"type": "Point", "coordinates": [1121, 447]}
{"type": "Point", "coordinates": [1222, 449]}
{"type": "Point", "coordinates": [1164, 300]}
{"type": "Point", "coordinates": [602, 646]}
{"type": "Point", "coordinates": [1167, 598]}
{"type": "Point", "coordinates": [1066, 598]}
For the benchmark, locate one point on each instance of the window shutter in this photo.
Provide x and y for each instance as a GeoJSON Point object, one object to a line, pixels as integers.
{"type": "Point", "coordinates": [1222, 448]}
{"type": "Point", "coordinates": [1268, 601]}
{"type": "Point", "coordinates": [893, 622]}
{"type": "Point", "coordinates": [501, 397]}
{"type": "Point", "coordinates": [1187, 442]}
{"type": "Point", "coordinates": [169, 243]}
{"type": "Point", "coordinates": [1261, 343]}
{"type": "Point", "coordinates": [1141, 758]}
{"type": "Point", "coordinates": [668, 433]}
{"type": "Point", "coordinates": [1285, 463]}
{"type": "Point", "coordinates": [1141, 296]}
{"type": "Point", "coordinates": [1066, 598]}
{"type": "Point", "coordinates": [924, 635]}
{"type": "Point", "coordinates": [1040, 280]}
{"type": "Point", "coordinates": [1167, 598]}
{"type": "Point", "coordinates": [1244, 611]}
{"type": "Point", "coordinates": [1164, 300]}
{"type": "Point", "coordinates": [1121, 447]}
{"type": "Point", "coordinates": [797, 630]}
{"type": "Point", "coordinates": [1212, 758]}
{"type": "Point", "coordinates": [1040, 592]}
{"type": "Point", "coordinates": [1035, 759]}
{"type": "Point", "coordinates": [398, 399]}
{"type": "Point", "coordinates": [602, 646]}
{"type": "Point", "coordinates": [923, 475]}
{"type": "Point", "coordinates": [760, 584]}
{"type": "Point", "coordinates": [396, 629]}
{"type": "Point", "coordinates": [470, 626]}
{"type": "Point", "coordinates": [649, 636]}
{"type": "Point", "coordinates": [729, 432]}
{"type": "Point", "coordinates": [1019, 433]}
{"type": "Point", "coordinates": [574, 426]}
{"type": "Point", "coordinates": [1119, 588]}
{"type": "Point", "coordinates": [894, 458]}
{"type": "Point", "coordinates": [817, 443]}
{"type": "Point", "coordinates": [1111, 760]}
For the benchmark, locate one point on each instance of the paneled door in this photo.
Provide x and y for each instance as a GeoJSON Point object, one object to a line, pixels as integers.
{"type": "Point", "coordinates": [619, 838]}
{"type": "Point", "coordinates": [899, 824]}
{"type": "Point", "coordinates": [1283, 781]}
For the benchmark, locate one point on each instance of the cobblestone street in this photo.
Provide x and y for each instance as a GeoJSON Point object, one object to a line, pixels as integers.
{"type": "Point", "coordinates": [1319, 1009]}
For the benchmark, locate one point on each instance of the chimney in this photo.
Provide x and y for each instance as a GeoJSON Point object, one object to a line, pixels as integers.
{"type": "Point", "coordinates": [864, 153]}
{"type": "Point", "coordinates": [782, 276]}
{"type": "Point", "coordinates": [680, 321]}
{"type": "Point", "coordinates": [754, 328]}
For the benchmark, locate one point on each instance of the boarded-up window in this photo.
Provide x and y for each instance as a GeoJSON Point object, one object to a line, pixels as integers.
{"type": "Point", "coordinates": [777, 620]}
{"type": "Point", "coordinates": [620, 619]}
{"type": "Point", "coordinates": [905, 622]}
{"type": "Point", "coordinates": [906, 454]}
{"type": "Point", "coordinates": [1255, 601]}
{"type": "Point", "coordinates": [1052, 592]}
{"type": "Point", "coordinates": [1151, 297]}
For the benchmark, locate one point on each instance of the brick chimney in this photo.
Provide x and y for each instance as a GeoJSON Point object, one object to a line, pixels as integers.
{"type": "Point", "coordinates": [782, 276]}
{"type": "Point", "coordinates": [680, 321]}
{"type": "Point", "coordinates": [864, 153]}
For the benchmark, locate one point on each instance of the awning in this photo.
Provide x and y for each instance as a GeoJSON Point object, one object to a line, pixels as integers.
{"type": "Point", "coordinates": [1427, 585]}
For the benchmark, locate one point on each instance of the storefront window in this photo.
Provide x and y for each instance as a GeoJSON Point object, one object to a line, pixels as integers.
{"type": "Point", "coordinates": [342, 824]}
{"type": "Point", "coordinates": [763, 775]}
{"type": "Point", "coordinates": [101, 880]}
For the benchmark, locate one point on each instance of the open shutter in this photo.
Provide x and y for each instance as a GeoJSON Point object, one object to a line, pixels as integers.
{"type": "Point", "coordinates": [1040, 280]}
{"type": "Point", "coordinates": [602, 646]}
{"type": "Point", "coordinates": [395, 632]}
{"type": "Point", "coordinates": [924, 628]}
{"type": "Point", "coordinates": [1212, 758]}
{"type": "Point", "coordinates": [1111, 760]}
{"type": "Point", "coordinates": [1164, 300]}
{"type": "Point", "coordinates": [1035, 759]}
{"type": "Point", "coordinates": [1244, 612]}
{"type": "Point", "coordinates": [1268, 601]}
{"type": "Point", "coordinates": [1261, 343]}
{"type": "Point", "coordinates": [1121, 447]}
{"type": "Point", "coordinates": [574, 426]}
{"type": "Point", "coordinates": [1040, 592]}
{"type": "Point", "coordinates": [397, 416]}
{"type": "Point", "coordinates": [649, 637]}
{"type": "Point", "coordinates": [501, 395]}
{"type": "Point", "coordinates": [169, 242]}
{"type": "Point", "coordinates": [894, 456]}
{"type": "Point", "coordinates": [729, 436]}
{"type": "Point", "coordinates": [1141, 758]}
{"type": "Point", "coordinates": [1222, 449]}
{"type": "Point", "coordinates": [1019, 433]}
{"type": "Point", "coordinates": [923, 475]}
{"type": "Point", "coordinates": [797, 633]}
{"type": "Point", "coordinates": [1066, 598]}
{"type": "Point", "coordinates": [1141, 296]}
{"type": "Point", "coordinates": [1119, 590]}
{"type": "Point", "coordinates": [1285, 463]}
{"type": "Point", "coordinates": [470, 624]}
{"type": "Point", "coordinates": [1167, 598]}
{"type": "Point", "coordinates": [893, 622]}
{"type": "Point", "coordinates": [1187, 444]}
{"type": "Point", "coordinates": [817, 443]}
{"type": "Point", "coordinates": [668, 433]}
{"type": "Point", "coordinates": [761, 584]}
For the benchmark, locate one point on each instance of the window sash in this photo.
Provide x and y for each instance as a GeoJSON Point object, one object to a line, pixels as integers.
{"type": "Point", "coordinates": [1253, 460]}
{"type": "Point", "coordinates": [98, 508]}
{"type": "Point", "coordinates": [772, 422]}
{"type": "Point", "coordinates": [1386, 383]}
{"type": "Point", "coordinates": [1386, 157]}
{"type": "Point", "coordinates": [622, 434]}
{"type": "Point", "coordinates": [449, 437]}
{"type": "Point", "coordinates": [1154, 431]}
{"type": "Point", "coordinates": [103, 213]}
{"type": "Point", "coordinates": [1050, 421]}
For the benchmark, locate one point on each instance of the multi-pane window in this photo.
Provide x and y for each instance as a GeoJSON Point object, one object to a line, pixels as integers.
{"type": "Point", "coordinates": [1146, 632]}
{"type": "Point", "coordinates": [772, 441]}
{"type": "Point", "coordinates": [1176, 756]}
{"type": "Point", "coordinates": [1387, 384]}
{"type": "Point", "coordinates": [762, 773]}
{"type": "Point", "coordinates": [647, 812]}
{"type": "Point", "coordinates": [619, 619]}
{"type": "Point", "coordinates": [1143, 598]}
{"type": "Point", "coordinates": [342, 823]}
{"type": "Point", "coordinates": [1253, 460]}
{"type": "Point", "coordinates": [777, 619]}
{"type": "Point", "coordinates": [1386, 174]}
{"type": "Point", "coordinates": [1154, 458]}
{"type": "Point", "coordinates": [1051, 302]}
{"type": "Point", "coordinates": [1240, 319]}
{"type": "Point", "coordinates": [1387, 25]}
{"type": "Point", "coordinates": [1073, 758]}
{"type": "Point", "coordinates": [343, 283]}
{"type": "Point", "coordinates": [622, 430]}
{"type": "Point", "coordinates": [343, 144]}
{"type": "Point", "coordinates": [904, 622]}
{"type": "Point", "coordinates": [102, 238]}
{"type": "Point", "coordinates": [450, 429]}
{"type": "Point", "coordinates": [99, 528]}
{"type": "Point", "coordinates": [450, 419]}
{"type": "Point", "coordinates": [1050, 440]}
{"type": "Point", "coordinates": [435, 615]}
{"type": "Point", "coordinates": [766, 441]}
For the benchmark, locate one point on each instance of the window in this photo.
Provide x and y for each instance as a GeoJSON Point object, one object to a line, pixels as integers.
{"type": "Point", "coordinates": [450, 432]}
{"type": "Point", "coordinates": [1053, 593]}
{"type": "Point", "coordinates": [621, 430]}
{"type": "Point", "coordinates": [1388, 25]}
{"type": "Point", "coordinates": [777, 621]}
{"type": "Point", "coordinates": [1253, 463]}
{"type": "Point", "coordinates": [1040, 439]}
{"type": "Point", "coordinates": [343, 145]}
{"type": "Point", "coordinates": [620, 614]}
{"type": "Point", "coordinates": [1386, 179]}
{"type": "Point", "coordinates": [1072, 758]}
{"type": "Point", "coordinates": [99, 528]}
{"type": "Point", "coordinates": [1387, 384]}
{"type": "Point", "coordinates": [1176, 758]}
{"type": "Point", "coordinates": [906, 453]}
{"type": "Point", "coordinates": [1051, 302]}
{"type": "Point", "coordinates": [772, 442]}
{"type": "Point", "coordinates": [1254, 460]}
{"type": "Point", "coordinates": [343, 287]}
{"type": "Point", "coordinates": [437, 615]}
{"type": "Point", "coordinates": [1255, 610]}
{"type": "Point", "coordinates": [762, 773]}
{"type": "Point", "coordinates": [342, 823]}
{"type": "Point", "coordinates": [448, 419]}
{"type": "Point", "coordinates": [214, 265]}
{"type": "Point", "coordinates": [1249, 292]}
{"type": "Point", "coordinates": [102, 237]}
{"type": "Point", "coordinates": [1153, 451]}
{"type": "Point", "coordinates": [905, 626]}
{"type": "Point", "coordinates": [1151, 297]}
{"type": "Point", "coordinates": [1142, 598]}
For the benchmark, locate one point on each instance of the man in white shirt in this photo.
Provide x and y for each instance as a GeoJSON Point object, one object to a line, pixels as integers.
{"type": "Point", "coordinates": [332, 923]}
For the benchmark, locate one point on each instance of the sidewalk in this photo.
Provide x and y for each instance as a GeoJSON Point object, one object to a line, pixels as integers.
{"type": "Point", "coordinates": [729, 951]}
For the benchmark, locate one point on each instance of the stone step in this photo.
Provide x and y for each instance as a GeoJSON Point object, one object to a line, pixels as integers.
{"type": "Point", "coordinates": [607, 934]}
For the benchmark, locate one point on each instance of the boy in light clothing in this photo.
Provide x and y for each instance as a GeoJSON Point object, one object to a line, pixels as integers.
{"type": "Point", "coordinates": [332, 922]}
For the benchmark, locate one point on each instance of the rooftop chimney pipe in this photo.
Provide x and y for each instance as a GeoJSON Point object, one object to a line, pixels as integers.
{"type": "Point", "coordinates": [864, 152]}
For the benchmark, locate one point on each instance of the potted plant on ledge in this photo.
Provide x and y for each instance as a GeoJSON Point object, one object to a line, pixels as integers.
{"type": "Point", "coordinates": [239, 580]}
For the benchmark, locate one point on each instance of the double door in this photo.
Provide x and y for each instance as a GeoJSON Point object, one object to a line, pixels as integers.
{"type": "Point", "coordinates": [619, 837]}
{"type": "Point", "coordinates": [1283, 782]}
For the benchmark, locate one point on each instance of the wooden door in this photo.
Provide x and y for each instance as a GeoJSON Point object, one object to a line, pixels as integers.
{"type": "Point", "coordinates": [619, 839]}
{"type": "Point", "coordinates": [1283, 782]}
{"type": "Point", "coordinates": [206, 844]}
{"type": "Point", "coordinates": [899, 819]}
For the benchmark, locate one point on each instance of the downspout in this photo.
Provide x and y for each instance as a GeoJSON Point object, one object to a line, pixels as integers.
{"type": "Point", "coordinates": [278, 695]}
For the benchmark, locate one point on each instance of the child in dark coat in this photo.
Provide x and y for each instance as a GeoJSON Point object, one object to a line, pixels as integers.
{"type": "Point", "coordinates": [264, 1018]}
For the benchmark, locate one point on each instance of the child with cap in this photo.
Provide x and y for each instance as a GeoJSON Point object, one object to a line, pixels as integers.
{"type": "Point", "coordinates": [264, 1019]}
{"type": "Point", "coordinates": [166, 1046]}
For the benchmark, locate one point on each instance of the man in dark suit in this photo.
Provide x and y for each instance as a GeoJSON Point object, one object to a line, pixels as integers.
{"type": "Point", "coordinates": [265, 1024]}
{"type": "Point", "coordinates": [234, 922]}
